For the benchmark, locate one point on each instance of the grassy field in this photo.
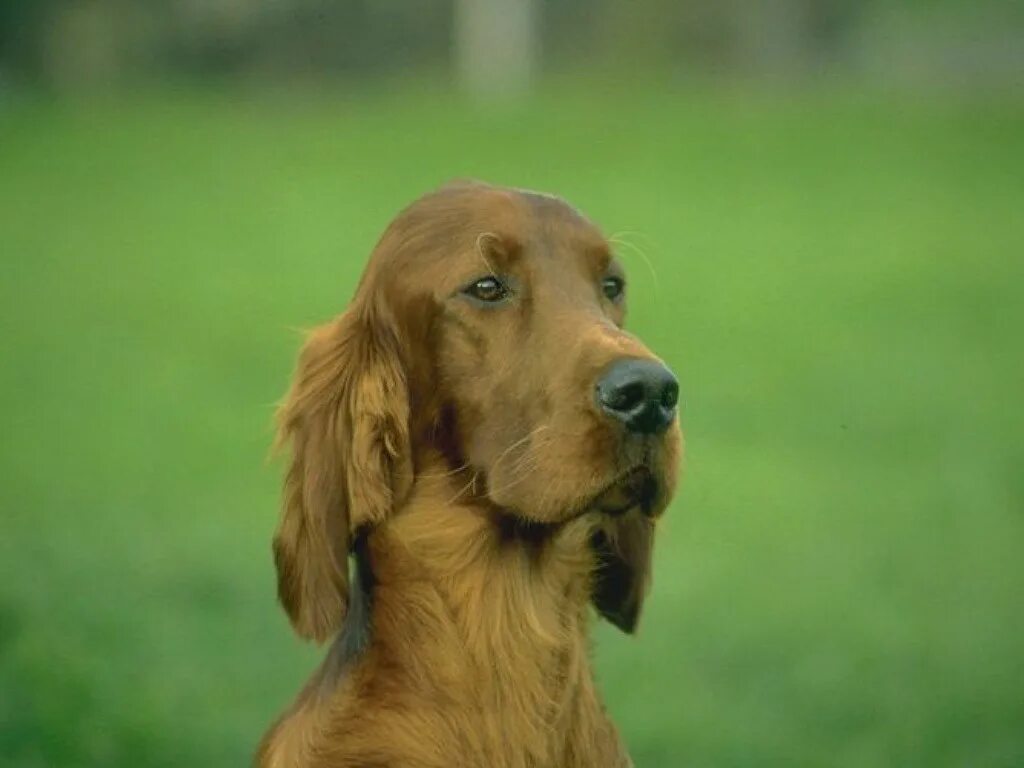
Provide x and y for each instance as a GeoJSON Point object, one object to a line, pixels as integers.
{"type": "Point", "coordinates": [838, 280]}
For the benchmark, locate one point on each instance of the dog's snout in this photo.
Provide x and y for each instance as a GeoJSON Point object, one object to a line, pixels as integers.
{"type": "Point", "coordinates": [642, 394]}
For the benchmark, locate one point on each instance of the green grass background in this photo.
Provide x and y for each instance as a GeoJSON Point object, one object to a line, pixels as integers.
{"type": "Point", "coordinates": [837, 277]}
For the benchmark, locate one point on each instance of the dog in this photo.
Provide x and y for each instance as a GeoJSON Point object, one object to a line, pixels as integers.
{"type": "Point", "coordinates": [478, 453]}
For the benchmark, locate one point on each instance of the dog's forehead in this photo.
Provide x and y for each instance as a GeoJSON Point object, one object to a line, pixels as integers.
{"type": "Point", "coordinates": [553, 211]}
{"type": "Point", "coordinates": [553, 230]}
{"type": "Point", "coordinates": [452, 222]}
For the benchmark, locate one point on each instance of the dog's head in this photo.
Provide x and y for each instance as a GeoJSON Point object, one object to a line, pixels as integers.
{"type": "Point", "coordinates": [488, 327]}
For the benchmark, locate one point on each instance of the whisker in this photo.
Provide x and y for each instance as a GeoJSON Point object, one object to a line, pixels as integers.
{"type": "Point", "coordinates": [515, 481]}
{"type": "Point", "coordinates": [618, 239]}
{"type": "Point", "coordinates": [480, 250]}
{"type": "Point", "coordinates": [435, 475]}
{"type": "Point", "coordinates": [466, 487]}
{"type": "Point", "coordinates": [515, 445]}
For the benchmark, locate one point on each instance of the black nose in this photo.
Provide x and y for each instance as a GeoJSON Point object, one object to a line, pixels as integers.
{"type": "Point", "coordinates": [640, 393]}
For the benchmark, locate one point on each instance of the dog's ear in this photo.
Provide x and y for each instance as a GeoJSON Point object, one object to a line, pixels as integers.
{"type": "Point", "coordinates": [623, 549]}
{"type": "Point", "coordinates": [346, 419]}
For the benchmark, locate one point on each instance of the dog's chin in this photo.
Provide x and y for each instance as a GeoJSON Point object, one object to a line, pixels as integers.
{"type": "Point", "coordinates": [635, 488]}
{"type": "Point", "coordinates": [639, 487]}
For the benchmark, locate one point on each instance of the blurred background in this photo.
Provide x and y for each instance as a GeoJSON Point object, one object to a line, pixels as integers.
{"type": "Point", "coordinates": [820, 205]}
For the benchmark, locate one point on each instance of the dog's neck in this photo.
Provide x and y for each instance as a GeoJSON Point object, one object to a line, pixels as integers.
{"type": "Point", "coordinates": [502, 581]}
{"type": "Point", "coordinates": [468, 619]}
{"type": "Point", "coordinates": [472, 605]}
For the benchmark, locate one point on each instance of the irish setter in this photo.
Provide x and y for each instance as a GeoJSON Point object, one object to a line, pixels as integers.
{"type": "Point", "coordinates": [492, 449]}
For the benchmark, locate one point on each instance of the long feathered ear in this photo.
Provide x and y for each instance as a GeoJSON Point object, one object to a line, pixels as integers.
{"type": "Point", "coordinates": [623, 548]}
{"type": "Point", "coordinates": [346, 419]}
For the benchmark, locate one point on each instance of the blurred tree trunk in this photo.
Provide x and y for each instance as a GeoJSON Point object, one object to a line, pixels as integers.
{"type": "Point", "coordinates": [770, 36]}
{"type": "Point", "coordinates": [791, 38]}
{"type": "Point", "coordinates": [496, 47]}
{"type": "Point", "coordinates": [80, 45]}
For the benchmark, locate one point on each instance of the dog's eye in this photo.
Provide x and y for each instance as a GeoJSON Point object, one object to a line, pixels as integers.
{"type": "Point", "coordinates": [489, 289]}
{"type": "Point", "coordinates": [613, 287]}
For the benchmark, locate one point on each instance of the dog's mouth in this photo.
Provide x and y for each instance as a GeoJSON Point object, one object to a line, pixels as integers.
{"type": "Point", "coordinates": [636, 487]}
